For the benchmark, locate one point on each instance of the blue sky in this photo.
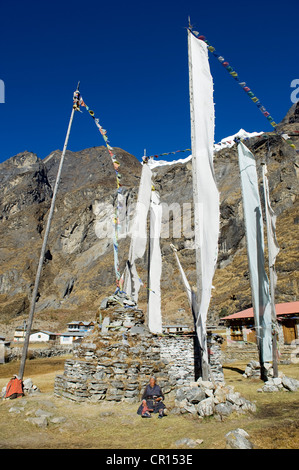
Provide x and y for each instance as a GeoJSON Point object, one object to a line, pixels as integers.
{"type": "Point", "coordinates": [131, 59]}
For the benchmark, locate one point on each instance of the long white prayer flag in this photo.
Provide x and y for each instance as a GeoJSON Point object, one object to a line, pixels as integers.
{"type": "Point", "coordinates": [261, 301]}
{"type": "Point", "coordinates": [189, 291]}
{"type": "Point", "coordinates": [205, 192]}
{"type": "Point", "coordinates": [138, 234]}
{"type": "Point", "coordinates": [273, 247]}
{"type": "Point", "coordinates": [155, 266]}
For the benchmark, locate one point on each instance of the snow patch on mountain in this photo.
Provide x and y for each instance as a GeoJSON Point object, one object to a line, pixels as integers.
{"type": "Point", "coordinates": [227, 142]}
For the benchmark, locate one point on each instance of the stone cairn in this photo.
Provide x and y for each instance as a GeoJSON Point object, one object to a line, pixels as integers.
{"type": "Point", "coordinates": [118, 357]}
{"type": "Point", "coordinates": [212, 397]}
{"type": "Point", "coordinates": [116, 360]}
{"type": "Point", "coordinates": [272, 384]}
{"type": "Point", "coordinates": [207, 398]}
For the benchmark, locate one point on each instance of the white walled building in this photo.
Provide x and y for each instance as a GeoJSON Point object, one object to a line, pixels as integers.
{"type": "Point", "coordinates": [42, 336]}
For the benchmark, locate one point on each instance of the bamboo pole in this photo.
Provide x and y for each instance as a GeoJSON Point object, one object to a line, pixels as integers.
{"type": "Point", "coordinates": [43, 250]}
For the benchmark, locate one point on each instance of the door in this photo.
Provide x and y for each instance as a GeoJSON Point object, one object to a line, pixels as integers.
{"type": "Point", "coordinates": [236, 333]}
{"type": "Point", "coordinates": [251, 335]}
{"type": "Point", "coordinates": [289, 331]}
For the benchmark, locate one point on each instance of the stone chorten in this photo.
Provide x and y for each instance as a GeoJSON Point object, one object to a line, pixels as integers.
{"type": "Point", "coordinates": [115, 361]}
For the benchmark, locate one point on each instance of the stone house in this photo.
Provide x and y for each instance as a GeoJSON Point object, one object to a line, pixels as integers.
{"type": "Point", "coordinates": [68, 337]}
{"type": "Point", "coordinates": [36, 336]}
{"type": "Point", "coordinates": [175, 329]}
{"type": "Point", "coordinates": [79, 326]}
{"type": "Point", "coordinates": [76, 331]}
{"type": "Point", "coordinates": [19, 334]}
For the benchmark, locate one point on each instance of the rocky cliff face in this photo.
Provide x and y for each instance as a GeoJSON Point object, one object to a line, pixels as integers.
{"type": "Point", "coordinates": [232, 288]}
{"type": "Point", "coordinates": [78, 269]}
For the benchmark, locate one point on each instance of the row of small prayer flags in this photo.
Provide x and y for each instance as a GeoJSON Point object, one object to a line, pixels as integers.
{"type": "Point", "coordinates": [167, 153]}
{"type": "Point", "coordinates": [78, 101]}
{"type": "Point", "coordinates": [244, 86]}
{"type": "Point", "coordinates": [234, 74]}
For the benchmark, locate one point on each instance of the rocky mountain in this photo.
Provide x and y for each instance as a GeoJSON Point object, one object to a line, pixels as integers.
{"type": "Point", "coordinates": [78, 269]}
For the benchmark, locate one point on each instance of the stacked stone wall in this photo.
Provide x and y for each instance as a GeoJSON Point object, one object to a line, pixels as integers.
{"type": "Point", "coordinates": [115, 361]}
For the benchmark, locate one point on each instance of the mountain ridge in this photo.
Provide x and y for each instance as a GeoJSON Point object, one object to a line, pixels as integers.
{"type": "Point", "coordinates": [78, 270]}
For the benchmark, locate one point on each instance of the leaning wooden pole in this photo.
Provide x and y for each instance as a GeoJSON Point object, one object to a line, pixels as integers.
{"type": "Point", "coordinates": [45, 240]}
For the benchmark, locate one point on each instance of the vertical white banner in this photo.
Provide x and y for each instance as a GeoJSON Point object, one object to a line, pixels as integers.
{"type": "Point", "coordinates": [273, 247]}
{"type": "Point", "coordinates": [2, 352]}
{"type": "Point", "coordinates": [205, 192]}
{"type": "Point", "coordinates": [261, 301]}
{"type": "Point", "coordinates": [138, 234]}
{"type": "Point", "coordinates": [155, 267]}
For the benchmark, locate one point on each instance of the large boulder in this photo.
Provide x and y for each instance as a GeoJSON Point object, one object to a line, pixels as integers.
{"type": "Point", "coordinates": [238, 439]}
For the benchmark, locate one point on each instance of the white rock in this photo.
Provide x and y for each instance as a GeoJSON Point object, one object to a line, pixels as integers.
{"type": "Point", "coordinates": [205, 384]}
{"type": "Point", "coordinates": [237, 439]}
{"type": "Point", "coordinates": [42, 413]}
{"type": "Point", "coordinates": [58, 419]}
{"type": "Point", "coordinates": [27, 384]}
{"type": "Point", "coordinates": [290, 384]}
{"type": "Point", "coordinates": [234, 398]}
{"type": "Point", "coordinates": [40, 421]}
{"type": "Point", "coordinates": [276, 381]}
{"type": "Point", "coordinates": [242, 432]}
{"type": "Point", "coordinates": [15, 409]}
{"type": "Point", "coordinates": [185, 441]}
{"type": "Point", "coordinates": [206, 407]}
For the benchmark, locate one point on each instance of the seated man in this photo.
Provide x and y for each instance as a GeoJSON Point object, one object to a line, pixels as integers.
{"type": "Point", "coordinates": [152, 400]}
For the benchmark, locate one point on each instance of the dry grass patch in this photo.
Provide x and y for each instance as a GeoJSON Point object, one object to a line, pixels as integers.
{"type": "Point", "coordinates": [117, 426]}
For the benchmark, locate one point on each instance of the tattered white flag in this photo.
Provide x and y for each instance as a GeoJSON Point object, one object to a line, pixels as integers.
{"type": "Point", "coordinates": [189, 291]}
{"type": "Point", "coordinates": [273, 247]}
{"type": "Point", "coordinates": [205, 192]}
{"type": "Point", "coordinates": [138, 234]}
{"type": "Point", "coordinates": [261, 301]}
{"type": "Point", "coordinates": [155, 266]}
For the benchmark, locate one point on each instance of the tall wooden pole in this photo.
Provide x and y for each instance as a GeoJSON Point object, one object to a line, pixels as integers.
{"type": "Point", "coordinates": [148, 249]}
{"type": "Point", "coordinates": [43, 249]}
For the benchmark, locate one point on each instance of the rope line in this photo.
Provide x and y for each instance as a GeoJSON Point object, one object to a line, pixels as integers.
{"type": "Point", "coordinates": [243, 85]}
{"type": "Point", "coordinates": [78, 101]}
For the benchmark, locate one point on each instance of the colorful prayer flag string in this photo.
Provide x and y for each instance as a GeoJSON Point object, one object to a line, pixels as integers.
{"type": "Point", "coordinates": [78, 101]}
{"type": "Point", "coordinates": [243, 85]}
{"type": "Point", "coordinates": [164, 154]}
